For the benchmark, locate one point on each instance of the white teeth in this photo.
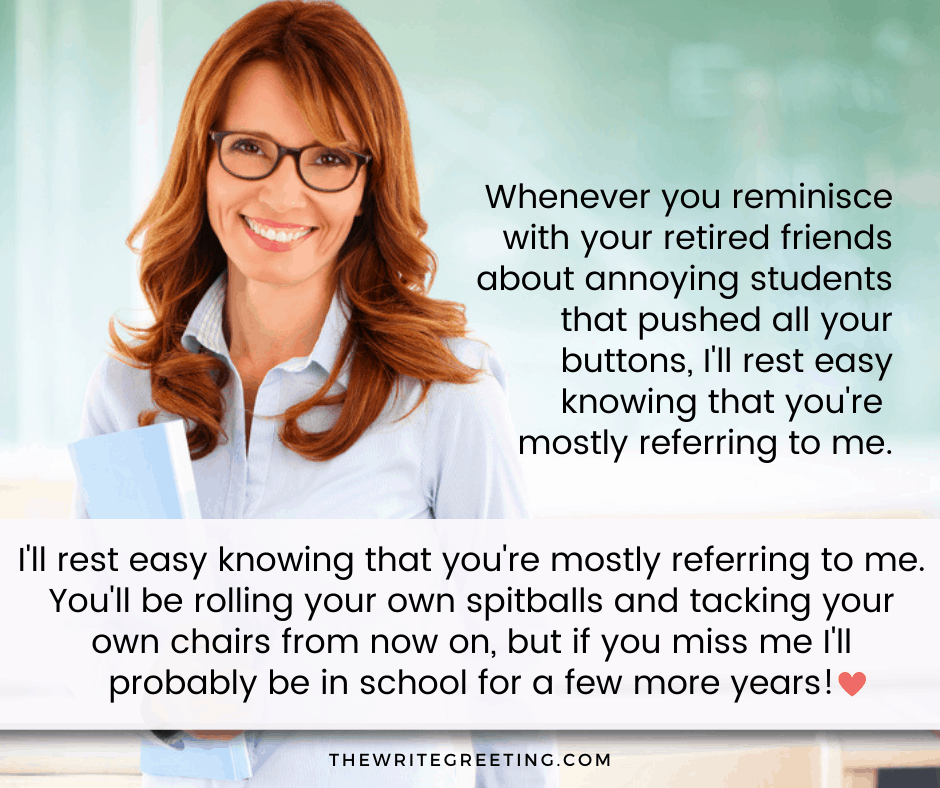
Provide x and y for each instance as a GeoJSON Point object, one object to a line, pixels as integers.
{"type": "Point", "coordinates": [271, 234]}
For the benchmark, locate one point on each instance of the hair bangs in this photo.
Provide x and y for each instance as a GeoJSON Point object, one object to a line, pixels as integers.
{"type": "Point", "coordinates": [317, 100]}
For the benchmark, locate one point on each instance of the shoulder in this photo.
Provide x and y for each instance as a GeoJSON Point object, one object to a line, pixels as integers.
{"type": "Point", "coordinates": [116, 394]}
{"type": "Point", "coordinates": [470, 467]}
{"type": "Point", "coordinates": [481, 399]}
{"type": "Point", "coordinates": [479, 355]}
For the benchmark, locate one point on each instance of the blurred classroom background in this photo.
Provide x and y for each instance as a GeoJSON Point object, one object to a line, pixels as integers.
{"type": "Point", "coordinates": [604, 93]}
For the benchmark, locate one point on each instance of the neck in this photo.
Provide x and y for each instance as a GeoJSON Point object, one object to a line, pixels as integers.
{"type": "Point", "coordinates": [266, 324]}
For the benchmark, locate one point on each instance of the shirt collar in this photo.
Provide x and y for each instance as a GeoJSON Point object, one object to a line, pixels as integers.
{"type": "Point", "coordinates": [204, 330]}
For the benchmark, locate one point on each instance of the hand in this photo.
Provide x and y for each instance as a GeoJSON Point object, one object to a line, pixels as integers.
{"type": "Point", "coordinates": [214, 735]}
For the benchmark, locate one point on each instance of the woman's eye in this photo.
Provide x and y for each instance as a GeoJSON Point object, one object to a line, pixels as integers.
{"type": "Point", "coordinates": [332, 158]}
{"type": "Point", "coordinates": [248, 147]}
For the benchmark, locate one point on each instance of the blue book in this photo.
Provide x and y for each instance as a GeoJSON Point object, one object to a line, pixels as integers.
{"type": "Point", "coordinates": [200, 758]}
{"type": "Point", "coordinates": [142, 473]}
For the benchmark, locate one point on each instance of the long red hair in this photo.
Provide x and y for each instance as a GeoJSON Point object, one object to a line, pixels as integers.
{"type": "Point", "coordinates": [384, 270]}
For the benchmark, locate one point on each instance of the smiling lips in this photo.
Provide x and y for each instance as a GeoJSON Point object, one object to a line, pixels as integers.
{"type": "Point", "coordinates": [275, 236]}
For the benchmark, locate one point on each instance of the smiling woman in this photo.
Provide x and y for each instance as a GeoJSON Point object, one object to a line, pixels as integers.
{"type": "Point", "coordinates": [257, 202]}
{"type": "Point", "coordinates": [293, 331]}
{"type": "Point", "coordinates": [252, 192]}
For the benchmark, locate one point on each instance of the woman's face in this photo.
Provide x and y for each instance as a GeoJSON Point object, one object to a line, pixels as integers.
{"type": "Point", "coordinates": [315, 224]}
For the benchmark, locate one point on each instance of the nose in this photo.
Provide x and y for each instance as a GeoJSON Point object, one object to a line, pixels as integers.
{"type": "Point", "coordinates": [283, 189]}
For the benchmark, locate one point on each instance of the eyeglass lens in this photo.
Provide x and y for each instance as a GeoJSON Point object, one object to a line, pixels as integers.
{"type": "Point", "coordinates": [255, 157]}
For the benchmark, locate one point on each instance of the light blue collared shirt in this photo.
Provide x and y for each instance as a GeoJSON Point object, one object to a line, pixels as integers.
{"type": "Point", "coordinates": [453, 457]}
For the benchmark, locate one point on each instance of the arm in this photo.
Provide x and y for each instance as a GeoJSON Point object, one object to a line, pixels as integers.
{"type": "Point", "coordinates": [471, 465]}
{"type": "Point", "coordinates": [477, 476]}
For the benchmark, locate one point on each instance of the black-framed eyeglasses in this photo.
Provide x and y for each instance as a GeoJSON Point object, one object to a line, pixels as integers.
{"type": "Point", "coordinates": [253, 158]}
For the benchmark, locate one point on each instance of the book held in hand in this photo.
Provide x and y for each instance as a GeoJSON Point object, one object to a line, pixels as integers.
{"type": "Point", "coordinates": [140, 473]}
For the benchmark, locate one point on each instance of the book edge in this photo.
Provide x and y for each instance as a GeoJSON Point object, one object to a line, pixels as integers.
{"type": "Point", "coordinates": [182, 470]}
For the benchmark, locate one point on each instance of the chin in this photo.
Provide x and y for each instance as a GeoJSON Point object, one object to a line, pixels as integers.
{"type": "Point", "coordinates": [276, 275]}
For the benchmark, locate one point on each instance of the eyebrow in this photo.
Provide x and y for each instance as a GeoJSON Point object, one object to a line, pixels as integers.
{"type": "Point", "coordinates": [254, 133]}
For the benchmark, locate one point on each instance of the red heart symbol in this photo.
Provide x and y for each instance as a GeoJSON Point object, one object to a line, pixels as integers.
{"type": "Point", "coordinates": [852, 683]}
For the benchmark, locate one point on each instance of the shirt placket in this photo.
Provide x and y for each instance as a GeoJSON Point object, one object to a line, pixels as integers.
{"type": "Point", "coordinates": [264, 429]}
{"type": "Point", "coordinates": [235, 427]}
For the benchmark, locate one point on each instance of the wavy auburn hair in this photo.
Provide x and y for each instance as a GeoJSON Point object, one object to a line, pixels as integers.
{"type": "Point", "coordinates": [383, 269]}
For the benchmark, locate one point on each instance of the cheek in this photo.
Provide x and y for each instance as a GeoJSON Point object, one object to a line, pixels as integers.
{"type": "Point", "coordinates": [221, 201]}
{"type": "Point", "coordinates": [338, 215]}
{"type": "Point", "coordinates": [214, 199]}
{"type": "Point", "coordinates": [351, 208]}
{"type": "Point", "coordinates": [343, 207]}
{"type": "Point", "coordinates": [341, 226]}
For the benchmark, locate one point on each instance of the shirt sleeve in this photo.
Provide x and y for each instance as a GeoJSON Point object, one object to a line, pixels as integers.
{"type": "Point", "coordinates": [470, 464]}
